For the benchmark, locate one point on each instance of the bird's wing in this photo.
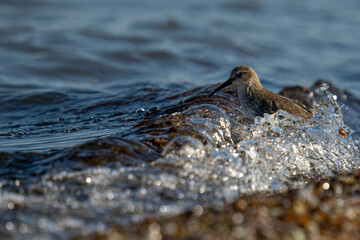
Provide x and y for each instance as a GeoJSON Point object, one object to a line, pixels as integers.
{"type": "Point", "coordinates": [289, 105]}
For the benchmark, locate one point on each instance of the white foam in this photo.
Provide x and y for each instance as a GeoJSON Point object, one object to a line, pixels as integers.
{"type": "Point", "coordinates": [229, 158]}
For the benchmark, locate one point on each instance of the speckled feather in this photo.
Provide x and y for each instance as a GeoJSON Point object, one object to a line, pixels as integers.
{"type": "Point", "coordinates": [270, 102]}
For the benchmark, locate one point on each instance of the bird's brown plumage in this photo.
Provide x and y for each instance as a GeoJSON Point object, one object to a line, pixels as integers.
{"type": "Point", "coordinates": [255, 99]}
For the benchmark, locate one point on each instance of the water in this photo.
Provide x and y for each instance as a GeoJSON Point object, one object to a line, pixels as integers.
{"type": "Point", "coordinates": [105, 121]}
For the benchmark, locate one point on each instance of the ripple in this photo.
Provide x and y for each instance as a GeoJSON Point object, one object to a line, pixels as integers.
{"type": "Point", "coordinates": [200, 154]}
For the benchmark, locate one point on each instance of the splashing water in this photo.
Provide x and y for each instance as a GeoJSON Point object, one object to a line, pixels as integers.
{"type": "Point", "coordinates": [276, 152]}
{"type": "Point", "coordinates": [223, 158]}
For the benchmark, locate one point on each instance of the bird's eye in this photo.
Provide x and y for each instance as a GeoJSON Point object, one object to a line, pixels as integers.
{"type": "Point", "coordinates": [239, 74]}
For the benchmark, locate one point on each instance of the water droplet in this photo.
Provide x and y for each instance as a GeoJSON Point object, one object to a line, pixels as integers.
{"type": "Point", "coordinates": [142, 192]}
{"type": "Point", "coordinates": [9, 226]}
{"type": "Point", "coordinates": [11, 205]}
{"type": "Point", "coordinates": [326, 186]}
{"type": "Point", "coordinates": [324, 87]}
{"type": "Point", "coordinates": [237, 218]}
{"type": "Point", "coordinates": [202, 189]}
{"type": "Point", "coordinates": [154, 228]}
{"type": "Point", "coordinates": [110, 196]}
{"type": "Point", "coordinates": [164, 208]}
{"type": "Point", "coordinates": [88, 180]}
{"type": "Point", "coordinates": [100, 227]}
{"type": "Point", "coordinates": [41, 223]}
{"type": "Point", "coordinates": [17, 182]}
{"type": "Point", "coordinates": [140, 110]}
{"type": "Point", "coordinates": [23, 228]}
{"type": "Point", "coordinates": [198, 210]}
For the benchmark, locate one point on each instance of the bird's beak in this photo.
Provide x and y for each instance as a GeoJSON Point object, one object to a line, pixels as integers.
{"type": "Point", "coordinates": [225, 84]}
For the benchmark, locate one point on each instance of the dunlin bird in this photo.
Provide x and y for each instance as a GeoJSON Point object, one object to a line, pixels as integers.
{"type": "Point", "coordinates": [255, 100]}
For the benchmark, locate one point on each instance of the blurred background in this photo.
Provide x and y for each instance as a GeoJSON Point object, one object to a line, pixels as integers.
{"type": "Point", "coordinates": [110, 44]}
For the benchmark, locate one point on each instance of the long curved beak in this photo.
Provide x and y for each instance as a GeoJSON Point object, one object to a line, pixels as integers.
{"type": "Point", "coordinates": [225, 84]}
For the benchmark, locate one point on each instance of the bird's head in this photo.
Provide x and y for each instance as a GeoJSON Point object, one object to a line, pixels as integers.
{"type": "Point", "coordinates": [241, 76]}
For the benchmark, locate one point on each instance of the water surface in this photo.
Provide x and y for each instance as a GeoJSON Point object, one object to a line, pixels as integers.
{"type": "Point", "coordinates": [104, 117]}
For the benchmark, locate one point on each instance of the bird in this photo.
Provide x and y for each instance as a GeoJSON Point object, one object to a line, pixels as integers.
{"type": "Point", "coordinates": [255, 100]}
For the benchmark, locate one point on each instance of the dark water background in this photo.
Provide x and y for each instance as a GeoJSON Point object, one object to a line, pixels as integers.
{"type": "Point", "coordinates": [75, 71]}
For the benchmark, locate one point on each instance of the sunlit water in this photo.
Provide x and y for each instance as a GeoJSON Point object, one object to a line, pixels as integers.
{"type": "Point", "coordinates": [104, 117]}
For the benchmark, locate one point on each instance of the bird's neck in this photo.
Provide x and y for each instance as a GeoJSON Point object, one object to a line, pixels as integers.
{"type": "Point", "coordinates": [247, 95]}
{"type": "Point", "coordinates": [246, 92]}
